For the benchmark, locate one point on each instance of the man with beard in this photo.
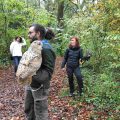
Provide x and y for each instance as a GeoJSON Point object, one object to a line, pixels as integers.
{"type": "Point", "coordinates": [36, 105]}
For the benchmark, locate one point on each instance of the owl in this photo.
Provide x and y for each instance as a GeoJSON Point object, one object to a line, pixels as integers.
{"type": "Point", "coordinates": [29, 63]}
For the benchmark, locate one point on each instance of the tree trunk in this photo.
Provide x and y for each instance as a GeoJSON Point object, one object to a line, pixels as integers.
{"type": "Point", "coordinates": [39, 3]}
{"type": "Point", "coordinates": [60, 13]}
{"type": "Point", "coordinates": [47, 4]}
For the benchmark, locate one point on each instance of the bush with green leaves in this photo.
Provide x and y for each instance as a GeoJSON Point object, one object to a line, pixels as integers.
{"type": "Point", "coordinates": [16, 17]}
{"type": "Point", "coordinates": [102, 90]}
{"type": "Point", "coordinates": [61, 43]}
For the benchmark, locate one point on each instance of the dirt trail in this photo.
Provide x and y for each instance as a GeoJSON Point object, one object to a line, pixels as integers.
{"type": "Point", "coordinates": [12, 98]}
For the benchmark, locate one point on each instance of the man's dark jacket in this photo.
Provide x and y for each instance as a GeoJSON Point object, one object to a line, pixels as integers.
{"type": "Point", "coordinates": [44, 74]}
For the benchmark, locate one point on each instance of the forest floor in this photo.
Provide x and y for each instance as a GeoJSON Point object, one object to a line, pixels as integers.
{"type": "Point", "coordinates": [60, 107]}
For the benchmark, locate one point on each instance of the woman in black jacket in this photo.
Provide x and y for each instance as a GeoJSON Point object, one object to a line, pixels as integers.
{"type": "Point", "coordinates": [72, 58]}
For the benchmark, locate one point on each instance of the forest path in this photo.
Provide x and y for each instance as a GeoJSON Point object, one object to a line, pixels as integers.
{"type": "Point", "coordinates": [12, 98]}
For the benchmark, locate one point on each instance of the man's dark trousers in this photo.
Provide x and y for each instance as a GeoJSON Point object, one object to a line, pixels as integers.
{"type": "Point", "coordinates": [36, 104]}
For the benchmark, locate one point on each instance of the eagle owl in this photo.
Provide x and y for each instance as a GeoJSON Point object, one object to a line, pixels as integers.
{"type": "Point", "coordinates": [29, 63]}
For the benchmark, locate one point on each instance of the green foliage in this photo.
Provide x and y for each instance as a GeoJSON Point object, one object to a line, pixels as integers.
{"type": "Point", "coordinates": [16, 17]}
{"type": "Point", "coordinates": [102, 90]}
{"type": "Point", "coordinates": [97, 26]}
{"type": "Point", "coordinates": [61, 42]}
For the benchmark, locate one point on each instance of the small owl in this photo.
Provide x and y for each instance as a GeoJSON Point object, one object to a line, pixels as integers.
{"type": "Point", "coordinates": [29, 63]}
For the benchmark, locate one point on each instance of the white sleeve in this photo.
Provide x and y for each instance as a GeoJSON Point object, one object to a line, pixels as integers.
{"type": "Point", "coordinates": [24, 42]}
{"type": "Point", "coordinates": [11, 47]}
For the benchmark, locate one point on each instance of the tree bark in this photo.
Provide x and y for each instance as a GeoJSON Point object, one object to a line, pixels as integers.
{"type": "Point", "coordinates": [60, 13]}
{"type": "Point", "coordinates": [39, 3]}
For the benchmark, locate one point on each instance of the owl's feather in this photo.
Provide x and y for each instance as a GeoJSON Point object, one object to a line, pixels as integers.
{"type": "Point", "coordinates": [29, 63]}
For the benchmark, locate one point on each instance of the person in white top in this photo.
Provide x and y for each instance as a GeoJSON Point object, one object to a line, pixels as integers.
{"type": "Point", "coordinates": [16, 50]}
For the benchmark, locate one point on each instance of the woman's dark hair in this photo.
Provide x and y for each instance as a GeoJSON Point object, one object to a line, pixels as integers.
{"type": "Point", "coordinates": [16, 37]}
{"type": "Point", "coordinates": [19, 38]}
{"type": "Point", "coordinates": [77, 41]}
{"type": "Point", "coordinates": [47, 34]}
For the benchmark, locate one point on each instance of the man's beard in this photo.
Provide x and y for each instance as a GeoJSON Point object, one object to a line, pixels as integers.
{"type": "Point", "coordinates": [34, 38]}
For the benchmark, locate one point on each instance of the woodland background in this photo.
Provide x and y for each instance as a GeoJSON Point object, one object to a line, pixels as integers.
{"type": "Point", "coordinates": [95, 22]}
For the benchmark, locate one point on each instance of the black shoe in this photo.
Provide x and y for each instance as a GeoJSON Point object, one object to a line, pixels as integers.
{"type": "Point", "coordinates": [71, 95]}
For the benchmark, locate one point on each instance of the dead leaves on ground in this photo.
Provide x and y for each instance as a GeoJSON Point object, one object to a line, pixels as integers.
{"type": "Point", "coordinates": [12, 98]}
